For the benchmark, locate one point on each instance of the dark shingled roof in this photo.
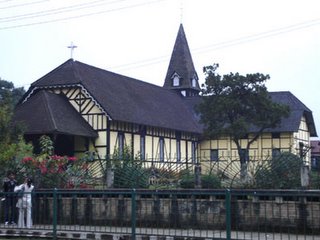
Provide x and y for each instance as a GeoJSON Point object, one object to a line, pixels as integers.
{"type": "Point", "coordinates": [297, 110]}
{"type": "Point", "coordinates": [181, 63]}
{"type": "Point", "coordinates": [289, 124]}
{"type": "Point", "coordinates": [49, 113]}
{"type": "Point", "coordinates": [124, 98]}
{"type": "Point", "coordinates": [130, 100]}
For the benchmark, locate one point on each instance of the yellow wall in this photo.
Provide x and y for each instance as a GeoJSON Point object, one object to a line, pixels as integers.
{"type": "Point", "coordinates": [92, 113]}
{"type": "Point", "coordinates": [259, 150]}
{"type": "Point", "coordinates": [113, 141]}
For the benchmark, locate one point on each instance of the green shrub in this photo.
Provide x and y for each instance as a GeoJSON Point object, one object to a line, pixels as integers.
{"type": "Point", "coordinates": [281, 172]}
{"type": "Point", "coordinates": [130, 176]}
{"type": "Point", "coordinates": [207, 181]}
{"type": "Point", "coordinates": [128, 170]}
{"type": "Point", "coordinates": [210, 181]}
{"type": "Point", "coordinates": [315, 179]}
{"type": "Point", "coordinates": [187, 181]}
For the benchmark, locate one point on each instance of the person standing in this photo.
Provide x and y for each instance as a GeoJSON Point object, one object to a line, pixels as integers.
{"type": "Point", "coordinates": [8, 188]}
{"type": "Point", "coordinates": [25, 203]}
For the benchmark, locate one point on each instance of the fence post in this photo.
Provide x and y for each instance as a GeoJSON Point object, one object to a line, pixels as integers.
{"type": "Point", "coordinates": [54, 214]}
{"type": "Point", "coordinates": [133, 214]}
{"type": "Point", "coordinates": [228, 214]}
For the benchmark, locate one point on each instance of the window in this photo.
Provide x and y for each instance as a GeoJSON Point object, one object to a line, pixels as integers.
{"type": "Point", "coordinates": [275, 152]}
{"type": "Point", "coordinates": [176, 81]}
{"type": "Point", "coordinates": [178, 150]}
{"type": "Point", "coordinates": [194, 82]}
{"type": "Point", "coordinates": [275, 135]}
{"type": "Point", "coordinates": [142, 147]}
{"type": "Point", "coordinates": [142, 131]}
{"type": "Point", "coordinates": [302, 152]}
{"type": "Point", "coordinates": [161, 149]}
{"type": "Point", "coordinates": [193, 151]}
{"type": "Point", "coordinates": [315, 163]}
{"type": "Point", "coordinates": [214, 155]}
{"type": "Point", "coordinates": [120, 143]}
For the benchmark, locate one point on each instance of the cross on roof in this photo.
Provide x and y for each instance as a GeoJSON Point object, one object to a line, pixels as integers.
{"type": "Point", "coordinates": [72, 47]}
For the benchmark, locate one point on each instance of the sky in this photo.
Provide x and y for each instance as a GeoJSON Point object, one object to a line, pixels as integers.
{"type": "Point", "coordinates": [136, 37]}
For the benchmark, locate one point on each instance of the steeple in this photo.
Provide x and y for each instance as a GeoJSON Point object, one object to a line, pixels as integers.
{"type": "Point", "coordinates": [181, 75]}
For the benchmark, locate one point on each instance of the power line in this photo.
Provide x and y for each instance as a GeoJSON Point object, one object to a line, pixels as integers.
{"type": "Point", "coordinates": [261, 35]}
{"type": "Point", "coordinates": [81, 16]}
{"type": "Point", "coordinates": [24, 4]}
{"type": "Point", "coordinates": [225, 44]}
{"type": "Point", "coordinates": [6, 1]}
{"type": "Point", "coordinates": [56, 10]}
{"type": "Point", "coordinates": [220, 45]}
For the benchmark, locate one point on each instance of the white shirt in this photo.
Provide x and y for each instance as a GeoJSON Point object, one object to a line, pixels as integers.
{"type": "Point", "coordinates": [27, 192]}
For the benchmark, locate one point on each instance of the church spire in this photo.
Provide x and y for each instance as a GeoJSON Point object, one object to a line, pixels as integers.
{"type": "Point", "coordinates": [181, 75]}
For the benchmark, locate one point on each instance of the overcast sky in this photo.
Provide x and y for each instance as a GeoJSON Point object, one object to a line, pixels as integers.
{"type": "Point", "coordinates": [135, 38]}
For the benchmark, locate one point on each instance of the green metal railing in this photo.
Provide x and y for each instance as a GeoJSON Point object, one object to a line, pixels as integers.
{"type": "Point", "coordinates": [215, 214]}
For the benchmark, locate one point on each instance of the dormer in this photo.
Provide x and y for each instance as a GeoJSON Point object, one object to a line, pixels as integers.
{"type": "Point", "coordinates": [194, 81]}
{"type": "Point", "coordinates": [175, 80]}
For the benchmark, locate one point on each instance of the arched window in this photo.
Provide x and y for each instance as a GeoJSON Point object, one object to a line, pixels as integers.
{"type": "Point", "coordinates": [120, 143]}
{"type": "Point", "coordinates": [194, 82]}
{"type": "Point", "coordinates": [176, 81]}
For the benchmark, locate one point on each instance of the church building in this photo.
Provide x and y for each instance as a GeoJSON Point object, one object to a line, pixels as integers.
{"type": "Point", "coordinates": [85, 108]}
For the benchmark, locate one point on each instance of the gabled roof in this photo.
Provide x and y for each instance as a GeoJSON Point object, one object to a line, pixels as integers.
{"type": "Point", "coordinates": [297, 111]}
{"type": "Point", "coordinates": [289, 124]}
{"type": "Point", "coordinates": [130, 100]}
{"type": "Point", "coordinates": [181, 63]}
{"type": "Point", "coordinates": [123, 98]}
{"type": "Point", "coordinates": [49, 113]}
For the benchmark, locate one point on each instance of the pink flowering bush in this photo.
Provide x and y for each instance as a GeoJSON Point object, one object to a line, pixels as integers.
{"type": "Point", "coordinates": [49, 170]}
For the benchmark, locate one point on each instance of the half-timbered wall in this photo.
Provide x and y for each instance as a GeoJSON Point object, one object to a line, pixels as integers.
{"type": "Point", "coordinates": [150, 143]}
{"type": "Point", "coordinates": [93, 115]}
{"type": "Point", "coordinates": [263, 148]}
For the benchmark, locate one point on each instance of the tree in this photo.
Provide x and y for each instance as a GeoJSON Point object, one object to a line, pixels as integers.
{"type": "Point", "coordinates": [10, 95]}
{"type": "Point", "coordinates": [11, 142]}
{"type": "Point", "coordinates": [235, 105]}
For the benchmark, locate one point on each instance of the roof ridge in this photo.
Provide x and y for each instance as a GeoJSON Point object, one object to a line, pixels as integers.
{"type": "Point", "coordinates": [124, 76]}
{"type": "Point", "coordinates": [294, 99]}
{"type": "Point", "coordinates": [48, 109]}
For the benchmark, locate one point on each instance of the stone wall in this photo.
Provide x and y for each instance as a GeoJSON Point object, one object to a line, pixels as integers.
{"type": "Point", "coordinates": [175, 211]}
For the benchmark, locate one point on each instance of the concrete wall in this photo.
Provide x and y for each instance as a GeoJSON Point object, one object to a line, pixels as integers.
{"type": "Point", "coordinates": [184, 211]}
